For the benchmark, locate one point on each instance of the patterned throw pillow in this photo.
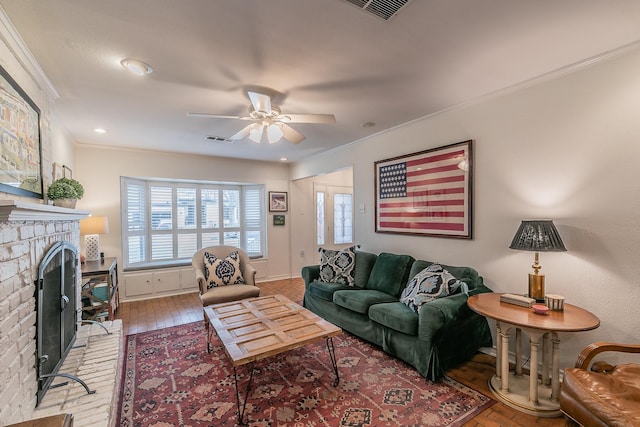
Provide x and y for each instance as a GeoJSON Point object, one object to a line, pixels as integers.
{"type": "Point", "coordinates": [338, 266]}
{"type": "Point", "coordinates": [222, 271]}
{"type": "Point", "coordinates": [431, 283]}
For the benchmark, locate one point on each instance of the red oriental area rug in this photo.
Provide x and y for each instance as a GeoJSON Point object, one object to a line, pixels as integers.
{"type": "Point", "coordinates": [171, 380]}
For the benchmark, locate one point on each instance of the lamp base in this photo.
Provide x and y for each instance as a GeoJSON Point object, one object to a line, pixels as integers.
{"type": "Point", "coordinates": [536, 287]}
{"type": "Point", "coordinates": [92, 247]}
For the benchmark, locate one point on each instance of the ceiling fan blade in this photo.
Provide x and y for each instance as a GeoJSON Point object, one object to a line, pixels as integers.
{"type": "Point", "coordinates": [260, 102]}
{"type": "Point", "coordinates": [218, 116]}
{"type": "Point", "coordinates": [307, 118]}
{"type": "Point", "coordinates": [292, 135]}
{"type": "Point", "coordinates": [242, 133]}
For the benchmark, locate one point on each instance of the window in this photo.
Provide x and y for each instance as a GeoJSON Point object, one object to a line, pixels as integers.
{"type": "Point", "coordinates": [320, 217]}
{"type": "Point", "coordinates": [167, 222]}
{"type": "Point", "coordinates": [342, 218]}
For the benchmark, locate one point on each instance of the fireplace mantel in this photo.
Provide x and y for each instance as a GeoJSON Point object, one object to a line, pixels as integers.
{"type": "Point", "coordinates": [16, 210]}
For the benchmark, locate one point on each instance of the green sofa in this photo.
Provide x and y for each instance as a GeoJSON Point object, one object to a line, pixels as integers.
{"type": "Point", "coordinates": [444, 333]}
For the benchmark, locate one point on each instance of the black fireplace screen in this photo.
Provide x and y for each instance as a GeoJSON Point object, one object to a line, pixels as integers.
{"type": "Point", "coordinates": [56, 311]}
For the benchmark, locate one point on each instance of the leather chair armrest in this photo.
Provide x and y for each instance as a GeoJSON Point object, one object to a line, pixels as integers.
{"type": "Point", "coordinates": [592, 350]}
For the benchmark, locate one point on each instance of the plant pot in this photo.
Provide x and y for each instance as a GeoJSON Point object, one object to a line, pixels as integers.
{"type": "Point", "coordinates": [65, 203]}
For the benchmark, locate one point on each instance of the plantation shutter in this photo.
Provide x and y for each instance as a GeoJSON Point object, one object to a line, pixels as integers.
{"type": "Point", "coordinates": [135, 221]}
{"type": "Point", "coordinates": [161, 200]}
{"type": "Point", "coordinates": [253, 220]}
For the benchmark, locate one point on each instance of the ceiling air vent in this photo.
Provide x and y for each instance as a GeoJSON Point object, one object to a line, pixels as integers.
{"type": "Point", "coordinates": [219, 139]}
{"type": "Point", "coordinates": [384, 9]}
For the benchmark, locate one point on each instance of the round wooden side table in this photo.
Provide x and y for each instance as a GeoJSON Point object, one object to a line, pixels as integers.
{"type": "Point", "coordinates": [515, 389]}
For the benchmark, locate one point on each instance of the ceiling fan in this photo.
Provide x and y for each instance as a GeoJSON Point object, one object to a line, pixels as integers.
{"type": "Point", "coordinates": [269, 120]}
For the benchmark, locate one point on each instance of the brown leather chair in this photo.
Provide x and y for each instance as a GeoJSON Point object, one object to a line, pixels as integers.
{"type": "Point", "coordinates": [602, 394]}
{"type": "Point", "coordinates": [220, 294]}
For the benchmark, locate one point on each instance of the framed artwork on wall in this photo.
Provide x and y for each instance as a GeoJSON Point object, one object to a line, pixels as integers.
{"type": "Point", "coordinates": [278, 201]}
{"type": "Point", "coordinates": [426, 193]}
{"type": "Point", "coordinates": [20, 148]}
{"type": "Point", "coordinates": [278, 220]}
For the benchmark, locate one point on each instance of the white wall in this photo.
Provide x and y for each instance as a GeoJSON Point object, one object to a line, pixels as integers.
{"type": "Point", "coordinates": [565, 149]}
{"type": "Point", "coordinates": [100, 168]}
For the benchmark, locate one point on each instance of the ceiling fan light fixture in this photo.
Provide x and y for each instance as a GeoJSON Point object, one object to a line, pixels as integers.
{"type": "Point", "coordinates": [255, 133]}
{"type": "Point", "coordinates": [268, 119]}
{"type": "Point", "coordinates": [274, 133]}
{"type": "Point", "coordinates": [136, 67]}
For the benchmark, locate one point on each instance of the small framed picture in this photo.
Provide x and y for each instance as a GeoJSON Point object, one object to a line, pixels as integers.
{"type": "Point", "coordinates": [278, 220]}
{"type": "Point", "coordinates": [57, 171]}
{"type": "Point", "coordinates": [278, 201]}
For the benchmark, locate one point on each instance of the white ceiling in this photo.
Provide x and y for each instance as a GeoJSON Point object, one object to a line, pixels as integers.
{"type": "Point", "coordinates": [321, 56]}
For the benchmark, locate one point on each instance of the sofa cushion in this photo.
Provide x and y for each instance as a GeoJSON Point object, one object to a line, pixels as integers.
{"type": "Point", "coordinates": [338, 266]}
{"type": "Point", "coordinates": [431, 283]}
{"type": "Point", "coordinates": [222, 271]}
{"type": "Point", "coordinates": [220, 294]}
{"type": "Point", "coordinates": [360, 300]}
{"type": "Point", "coordinates": [390, 273]}
{"type": "Point", "coordinates": [324, 290]}
{"type": "Point", "coordinates": [364, 264]}
{"type": "Point", "coordinates": [395, 315]}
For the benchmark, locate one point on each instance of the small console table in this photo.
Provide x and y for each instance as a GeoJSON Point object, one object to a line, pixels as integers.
{"type": "Point", "coordinates": [100, 295]}
{"type": "Point", "coordinates": [515, 389]}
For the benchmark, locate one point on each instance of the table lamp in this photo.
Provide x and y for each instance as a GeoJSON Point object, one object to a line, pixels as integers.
{"type": "Point", "coordinates": [539, 236]}
{"type": "Point", "coordinates": [91, 228]}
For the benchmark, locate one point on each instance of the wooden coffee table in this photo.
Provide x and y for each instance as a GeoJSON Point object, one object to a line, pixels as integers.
{"type": "Point", "coordinates": [256, 328]}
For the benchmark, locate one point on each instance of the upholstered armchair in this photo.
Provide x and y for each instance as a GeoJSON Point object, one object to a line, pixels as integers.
{"type": "Point", "coordinates": [228, 292]}
{"type": "Point", "coordinates": [600, 394]}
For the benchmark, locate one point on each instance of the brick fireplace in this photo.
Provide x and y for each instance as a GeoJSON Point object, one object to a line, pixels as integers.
{"type": "Point", "coordinates": [27, 231]}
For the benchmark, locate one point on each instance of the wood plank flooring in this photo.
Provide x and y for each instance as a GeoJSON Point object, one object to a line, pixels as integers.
{"type": "Point", "coordinates": [158, 313]}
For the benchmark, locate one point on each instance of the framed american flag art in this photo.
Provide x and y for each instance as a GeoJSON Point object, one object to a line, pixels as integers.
{"type": "Point", "coordinates": [426, 193]}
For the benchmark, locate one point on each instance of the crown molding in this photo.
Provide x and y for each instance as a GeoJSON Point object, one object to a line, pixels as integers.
{"type": "Point", "coordinates": [16, 44]}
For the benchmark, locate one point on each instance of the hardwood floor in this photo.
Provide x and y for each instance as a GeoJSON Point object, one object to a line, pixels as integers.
{"type": "Point", "coordinates": [147, 315]}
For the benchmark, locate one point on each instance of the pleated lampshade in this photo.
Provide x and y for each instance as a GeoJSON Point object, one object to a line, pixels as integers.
{"type": "Point", "coordinates": [538, 235]}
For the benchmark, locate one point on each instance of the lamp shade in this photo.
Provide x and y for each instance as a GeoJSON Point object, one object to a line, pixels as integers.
{"type": "Point", "coordinates": [94, 225]}
{"type": "Point", "coordinates": [538, 235]}
{"type": "Point", "coordinates": [274, 132]}
{"type": "Point", "coordinates": [255, 133]}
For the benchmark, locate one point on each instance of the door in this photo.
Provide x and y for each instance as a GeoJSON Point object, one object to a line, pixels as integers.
{"type": "Point", "coordinates": [334, 217]}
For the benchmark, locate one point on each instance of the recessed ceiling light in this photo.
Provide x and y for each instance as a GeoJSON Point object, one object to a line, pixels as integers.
{"type": "Point", "coordinates": [368, 124]}
{"type": "Point", "coordinates": [100, 130]}
{"type": "Point", "coordinates": [136, 67]}
{"type": "Point", "coordinates": [283, 159]}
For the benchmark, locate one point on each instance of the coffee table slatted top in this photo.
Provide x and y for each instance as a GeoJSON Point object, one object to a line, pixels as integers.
{"type": "Point", "coordinates": [257, 328]}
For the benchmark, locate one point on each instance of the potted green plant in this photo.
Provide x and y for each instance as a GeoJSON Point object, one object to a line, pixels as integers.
{"type": "Point", "coordinates": [65, 192]}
